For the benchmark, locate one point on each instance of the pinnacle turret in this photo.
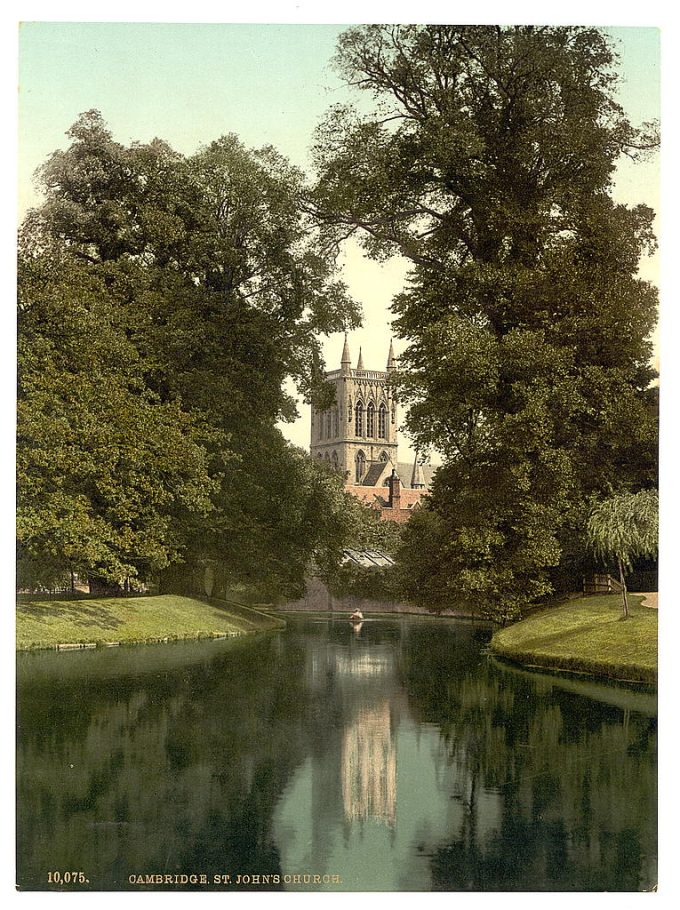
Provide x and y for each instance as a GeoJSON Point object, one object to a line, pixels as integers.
{"type": "Point", "coordinates": [345, 352]}
{"type": "Point", "coordinates": [391, 359]}
{"type": "Point", "coordinates": [360, 361]}
{"type": "Point", "coordinates": [346, 360]}
{"type": "Point", "coordinates": [418, 476]}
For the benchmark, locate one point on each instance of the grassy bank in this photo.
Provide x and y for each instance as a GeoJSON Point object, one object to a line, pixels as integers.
{"type": "Point", "coordinates": [586, 635]}
{"type": "Point", "coordinates": [126, 620]}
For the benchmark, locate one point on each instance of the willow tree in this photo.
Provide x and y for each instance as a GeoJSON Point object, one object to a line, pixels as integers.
{"type": "Point", "coordinates": [488, 162]}
{"type": "Point", "coordinates": [625, 527]}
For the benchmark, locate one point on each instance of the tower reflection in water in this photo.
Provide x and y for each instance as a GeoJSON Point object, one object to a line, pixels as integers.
{"type": "Point", "coordinates": [360, 762]}
{"type": "Point", "coordinates": [368, 752]}
{"type": "Point", "coordinates": [369, 766]}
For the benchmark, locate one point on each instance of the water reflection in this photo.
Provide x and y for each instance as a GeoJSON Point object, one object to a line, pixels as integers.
{"type": "Point", "coordinates": [369, 766]}
{"type": "Point", "coordinates": [399, 757]}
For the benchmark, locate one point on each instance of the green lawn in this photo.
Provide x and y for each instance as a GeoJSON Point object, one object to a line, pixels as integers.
{"type": "Point", "coordinates": [586, 635]}
{"type": "Point", "coordinates": [47, 623]}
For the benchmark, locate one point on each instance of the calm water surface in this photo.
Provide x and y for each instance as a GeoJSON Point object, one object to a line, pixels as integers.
{"type": "Point", "coordinates": [399, 756]}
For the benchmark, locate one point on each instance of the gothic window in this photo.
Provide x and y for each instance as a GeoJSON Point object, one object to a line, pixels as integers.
{"type": "Point", "coordinates": [334, 460]}
{"type": "Point", "coordinates": [383, 456]}
{"type": "Point", "coordinates": [360, 465]}
{"type": "Point", "coordinates": [349, 411]}
{"type": "Point", "coordinates": [336, 422]}
{"type": "Point", "coordinates": [370, 419]}
{"type": "Point", "coordinates": [328, 424]}
{"type": "Point", "coordinates": [381, 421]}
{"type": "Point", "coordinates": [359, 419]}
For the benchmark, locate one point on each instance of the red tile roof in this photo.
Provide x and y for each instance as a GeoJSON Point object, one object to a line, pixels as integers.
{"type": "Point", "coordinates": [378, 498]}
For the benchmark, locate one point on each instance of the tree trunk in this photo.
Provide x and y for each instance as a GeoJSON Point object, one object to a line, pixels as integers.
{"type": "Point", "coordinates": [624, 589]}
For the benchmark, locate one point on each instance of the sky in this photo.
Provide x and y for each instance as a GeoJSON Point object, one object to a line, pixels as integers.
{"type": "Point", "coordinates": [269, 84]}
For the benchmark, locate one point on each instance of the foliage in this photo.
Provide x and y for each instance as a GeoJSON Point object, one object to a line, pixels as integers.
{"type": "Point", "coordinates": [625, 526]}
{"type": "Point", "coordinates": [488, 163]}
{"type": "Point", "coordinates": [295, 511]}
{"type": "Point", "coordinates": [360, 528]}
{"type": "Point", "coordinates": [364, 530]}
{"type": "Point", "coordinates": [372, 533]}
{"type": "Point", "coordinates": [164, 300]}
{"type": "Point", "coordinates": [379, 583]}
{"type": "Point", "coordinates": [352, 525]}
{"type": "Point", "coordinates": [105, 468]}
{"type": "Point", "coordinates": [425, 551]}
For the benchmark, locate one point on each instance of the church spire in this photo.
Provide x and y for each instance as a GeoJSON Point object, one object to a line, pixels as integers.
{"type": "Point", "coordinates": [360, 361]}
{"type": "Point", "coordinates": [391, 359]}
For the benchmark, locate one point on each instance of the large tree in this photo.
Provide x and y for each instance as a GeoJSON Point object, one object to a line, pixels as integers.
{"type": "Point", "coordinates": [488, 162]}
{"type": "Point", "coordinates": [164, 300]}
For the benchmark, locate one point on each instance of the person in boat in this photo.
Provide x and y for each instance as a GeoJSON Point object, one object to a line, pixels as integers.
{"type": "Point", "coordinates": [357, 616]}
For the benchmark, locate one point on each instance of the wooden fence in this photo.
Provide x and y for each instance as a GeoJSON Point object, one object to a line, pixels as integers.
{"type": "Point", "coordinates": [601, 584]}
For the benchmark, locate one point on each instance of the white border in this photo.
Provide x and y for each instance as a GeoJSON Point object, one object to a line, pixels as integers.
{"type": "Point", "coordinates": [316, 11]}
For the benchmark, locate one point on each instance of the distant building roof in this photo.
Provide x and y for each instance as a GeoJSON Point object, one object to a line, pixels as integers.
{"type": "Point", "coordinates": [405, 472]}
{"type": "Point", "coordinates": [378, 474]}
{"type": "Point", "coordinates": [374, 473]}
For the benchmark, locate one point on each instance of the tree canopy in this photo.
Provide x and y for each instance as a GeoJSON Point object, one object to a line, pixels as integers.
{"type": "Point", "coordinates": [488, 162]}
{"type": "Point", "coordinates": [164, 300]}
{"type": "Point", "coordinates": [625, 526]}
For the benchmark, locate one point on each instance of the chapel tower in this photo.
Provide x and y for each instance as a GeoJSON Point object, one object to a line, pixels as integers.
{"type": "Point", "coordinates": [358, 434]}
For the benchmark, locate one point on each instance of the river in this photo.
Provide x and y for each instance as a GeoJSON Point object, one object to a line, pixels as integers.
{"type": "Point", "coordinates": [398, 756]}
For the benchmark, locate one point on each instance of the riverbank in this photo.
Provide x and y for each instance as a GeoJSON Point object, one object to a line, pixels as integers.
{"type": "Point", "coordinates": [586, 635]}
{"type": "Point", "coordinates": [103, 622]}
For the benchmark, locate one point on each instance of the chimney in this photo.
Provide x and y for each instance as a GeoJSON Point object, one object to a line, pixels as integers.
{"type": "Point", "coordinates": [395, 490]}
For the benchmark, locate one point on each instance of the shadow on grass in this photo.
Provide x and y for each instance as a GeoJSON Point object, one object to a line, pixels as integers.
{"type": "Point", "coordinates": [79, 612]}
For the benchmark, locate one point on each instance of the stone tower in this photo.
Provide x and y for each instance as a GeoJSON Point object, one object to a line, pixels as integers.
{"type": "Point", "coordinates": [360, 430]}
